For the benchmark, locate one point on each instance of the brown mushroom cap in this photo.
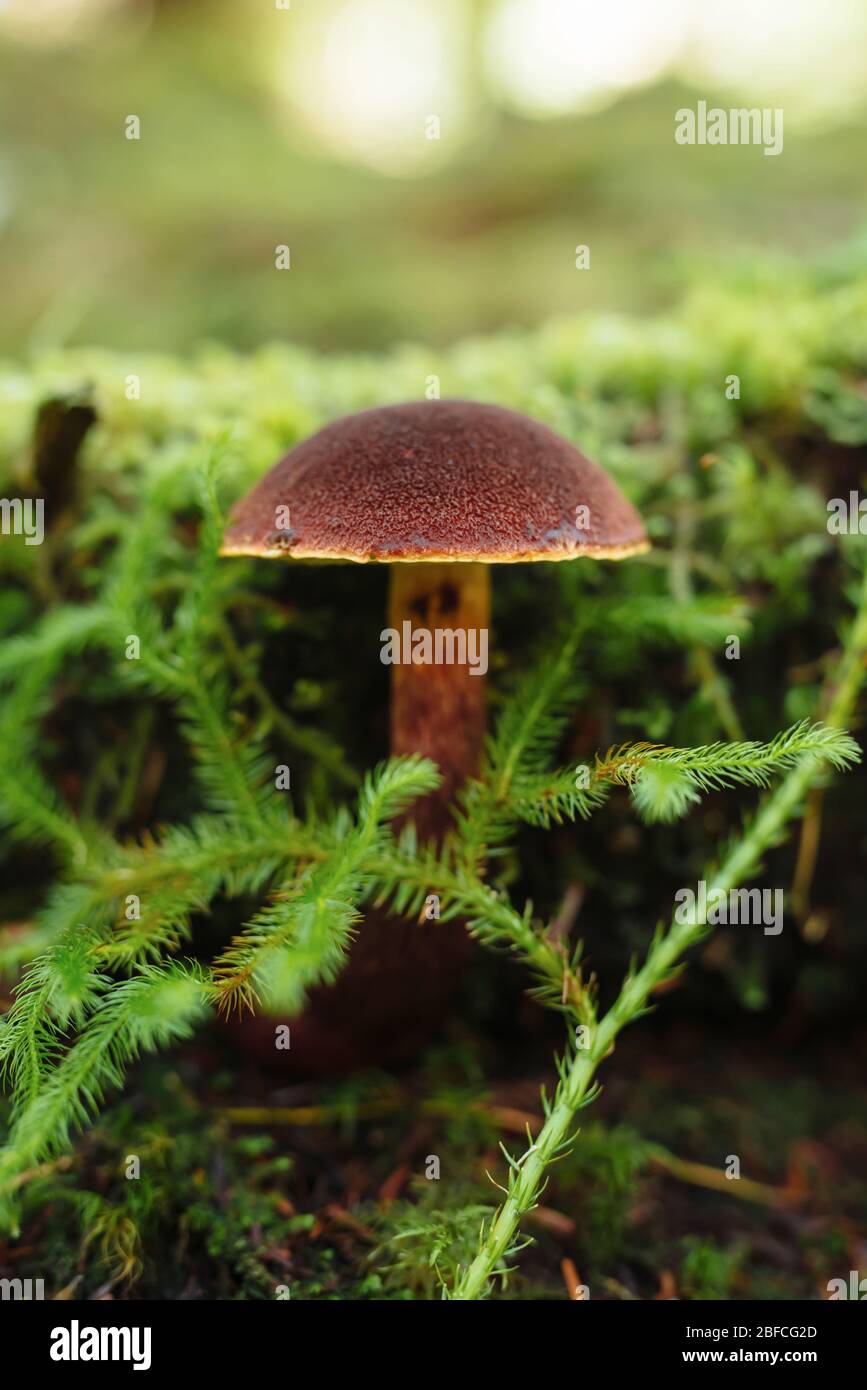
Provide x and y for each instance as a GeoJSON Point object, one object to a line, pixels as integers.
{"type": "Point", "coordinates": [436, 480]}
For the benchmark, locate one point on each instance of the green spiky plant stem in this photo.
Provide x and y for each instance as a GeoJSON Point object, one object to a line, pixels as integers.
{"type": "Point", "coordinates": [577, 1086]}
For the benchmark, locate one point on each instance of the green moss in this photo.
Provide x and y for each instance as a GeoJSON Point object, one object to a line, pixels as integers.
{"type": "Point", "coordinates": [155, 771]}
{"type": "Point", "coordinates": [709, 1270]}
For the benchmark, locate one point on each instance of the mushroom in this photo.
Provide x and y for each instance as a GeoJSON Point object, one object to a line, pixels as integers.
{"type": "Point", "coordinates": [440, 490]}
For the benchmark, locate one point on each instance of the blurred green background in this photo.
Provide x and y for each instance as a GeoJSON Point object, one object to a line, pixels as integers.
{"type": "Point", "coordinates": [305, 123]}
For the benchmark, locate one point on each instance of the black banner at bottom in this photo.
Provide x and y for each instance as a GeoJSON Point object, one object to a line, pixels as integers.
{"type": "Point", "coordinates": [83, 1340]}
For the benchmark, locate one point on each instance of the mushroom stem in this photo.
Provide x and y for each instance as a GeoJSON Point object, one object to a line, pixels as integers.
{"type": "Point", "coordinates": [438, 704]}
